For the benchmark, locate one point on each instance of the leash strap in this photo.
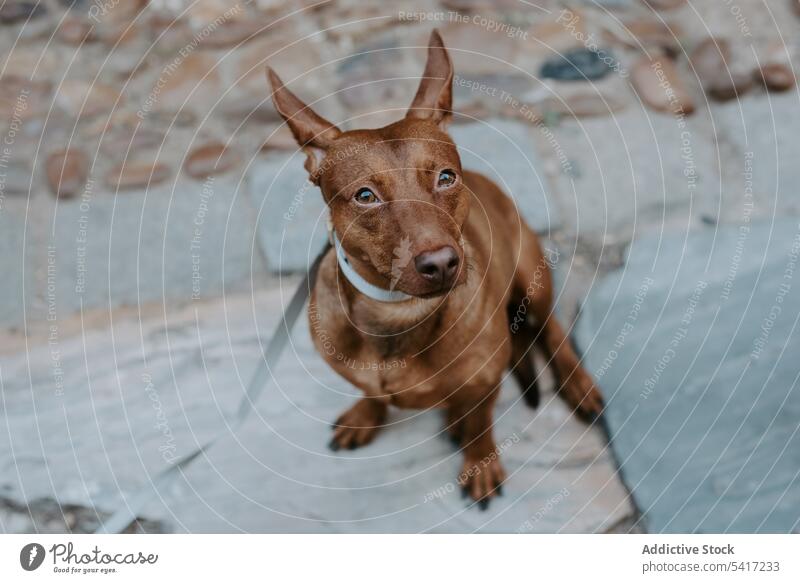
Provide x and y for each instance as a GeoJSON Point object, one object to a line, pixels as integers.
{"type": "Point", "coordinates": [130, 509]}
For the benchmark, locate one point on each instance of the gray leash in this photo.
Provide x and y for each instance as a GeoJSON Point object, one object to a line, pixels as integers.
{"type": "Point", "coordinates": [127, 513]}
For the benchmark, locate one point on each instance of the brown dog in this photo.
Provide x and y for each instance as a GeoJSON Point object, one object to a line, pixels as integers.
{"type": "Point", "coordinates": [429, 266]}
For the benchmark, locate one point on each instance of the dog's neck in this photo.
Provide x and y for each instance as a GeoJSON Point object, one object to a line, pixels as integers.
{"type": "Point", "coordinates": [374, 314]}
{"type": "Point", "coordinates": [364, 287]}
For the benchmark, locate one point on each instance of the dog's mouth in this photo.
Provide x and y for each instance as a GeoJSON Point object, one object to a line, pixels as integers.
{"type": "Point", "coordinates": [430, 293]}
{"type": "Point", "coordinates": [442, 291]}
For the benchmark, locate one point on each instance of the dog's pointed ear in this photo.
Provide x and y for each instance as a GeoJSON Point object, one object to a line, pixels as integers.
{"type": "Point", "coordinates": [313, 133]}
{"type": "Point", "coordinates": [434, 98]}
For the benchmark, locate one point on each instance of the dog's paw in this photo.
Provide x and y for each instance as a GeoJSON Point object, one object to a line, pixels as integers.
{"type": "Point", "coordinates": [358, 425]}
{"type": "Point", "coordinates": [582, 394]}
{"type": "Point", "coordinates": [482, 480]}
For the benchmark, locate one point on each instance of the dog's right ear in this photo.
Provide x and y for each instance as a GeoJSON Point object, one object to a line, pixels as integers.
{"type": "Point", "coordinates": [313, 133]}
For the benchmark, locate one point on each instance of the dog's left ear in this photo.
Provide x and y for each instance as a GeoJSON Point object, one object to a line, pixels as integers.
{"type": "Point", "coordinates": [313, 133]}
{"type": "Point", "coordinates": [434, 98]}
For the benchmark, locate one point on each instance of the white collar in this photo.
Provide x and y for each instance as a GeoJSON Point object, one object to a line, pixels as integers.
{"type": "Point", "coordinates": [371, 291]}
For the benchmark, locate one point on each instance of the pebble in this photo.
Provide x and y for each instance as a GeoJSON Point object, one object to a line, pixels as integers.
{"type": "Point", "coordinates": [666, 4]}
{"type": "Point", "coordinates": [289, 60]}
{"type": "Point", "coordinates": [578, 65]}
{"type": "Point", "coordinates": [14, 12]}
{"type": "Point", "coordinates": [67, 171]}
{"type": "Point", "coordinates": [647, 78]}
{"type": "Point", "coordinates": [204, 13]}
{"type": "Point", "coordinates": [135, 140]}
{"type": "Point", "coordinates": [115, 13]}
{"type": "Point", "coordinates": [24, 63]}
{"type": "Point", "coordinates": [17, 179]}
{"type": "Point", "coordinates": [716, 70]}
{"type": "Point", "coordinates": [583, 104]}
{"type": "Point", "coordinates": [558, 36]}
{"type": "Point", "coordinates": [776, 77]}
{"type": "Point", "coordinates": [638, 34]}
{"type": "Point", "coordinates": [23, 99]}
{"type": "Point", "coordinates": [279, 138]}
{"type": "Point", "coordinates": [195, 78]}
{"type": "Point", "coordinates": [75, 31]}
{"type": "Point", "coordinates": [211, 159]}
{"type": "Point", "coordinates": [474, 50]}
{"type": "Point", "coordinates": [137, 175]}
{"type": "Point", "coordinates": [232, 33]}
{"type": "Point", "coordinates": [504, 6]}
{"type": "Point", "coordinates": [84, 99]}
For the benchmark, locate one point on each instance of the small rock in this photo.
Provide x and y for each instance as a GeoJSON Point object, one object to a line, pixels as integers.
{"type": "Point", "coordinates": [204, 13]}
{"type": "Point", "coordinates": [474, 50]}
{"type": "Point", "coordinates": [83, 99]}
{"type": "Point", "coordinates": [115, 13]}
{"type": "Point", "coordinates": [232, 33]}
{"type": "Point", "coordinates": [714, 67]}
{"type": "Point", "coordinates": [289, 60]}
{"type": "Point", "coordinates": [350, 23]}
{"type": "Point", "coordinates": [638, 34]}
{"type": "Point", "coordinates": [137, 175]}
{"type": "Point", "coordinates": [504, 6]}
{"type": "Point", "coordinates": [659, 85]}
{"type": "Point", "coordinates": [13, 12]}
{"type": "Point", "coordinates": [131, 60]}
{"type": "Point", "coordinates": [23, 99]}
{"type": "Point", "coordinates": [357, 75]}
{"type": "Point", "coordinates": [666, 4]}
{"type": "Point", "coordinates": [133, 139]}
{"type": "Point", "coordinates": [246, 109]}
{"type": "Point", "coordinates": [196, 78]}
{"type": "Point", "coordinates": [43, 65]}
{"type": "Point", "coordinates": [74, 31]}
{"type": "Point", "coordinates": [67, 171]}
{"type": "Point", "coordinates": [561, 35]}
{"type": "Point", "coordinates": [583, 104]}
{"type": "Point", "coordinates": [183, 118]}
{"type": "Point", "coordinates": [578, 65]}
{"type": "Point", "coordinates": [279, 138]}
{"type": "Point", "coordinates": [210, 160]}
{"type": "Point", "coordinates": [16, 179]}
{"type": "Point", "coordinates": [776, 77]}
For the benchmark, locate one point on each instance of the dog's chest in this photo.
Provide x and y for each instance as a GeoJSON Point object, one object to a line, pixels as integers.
{"type": "Point", "coordinates": [425, 371]}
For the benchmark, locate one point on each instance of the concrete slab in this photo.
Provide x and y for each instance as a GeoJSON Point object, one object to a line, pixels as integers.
{"type": "Point", "coordinates": [760, 132]}
{"type": "Point", "coordinates": [634, 170]}
{"type": "Point", "coordinates": [694, 346]}
{"type": "Point", "coordinates": [175, 242]}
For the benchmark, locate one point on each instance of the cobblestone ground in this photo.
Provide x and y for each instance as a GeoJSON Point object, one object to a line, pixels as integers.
{"type": "Point", "coordinates": [145, 184]}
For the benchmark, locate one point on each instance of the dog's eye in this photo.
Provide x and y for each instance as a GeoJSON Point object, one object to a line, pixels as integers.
{"type": "Point", "coordinates": [446, 178]}
{"type": "Point", "coordinates": [366, 196]}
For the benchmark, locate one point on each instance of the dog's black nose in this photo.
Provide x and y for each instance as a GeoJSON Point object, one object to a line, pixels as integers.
{"type": "Point", "coordinates": [439, 267]}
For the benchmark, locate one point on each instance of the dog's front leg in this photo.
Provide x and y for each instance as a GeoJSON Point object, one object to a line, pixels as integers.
{"type": "Point", "coordinates": [482, 473]}
{"type": "Point", "coordinates": [359, 424]}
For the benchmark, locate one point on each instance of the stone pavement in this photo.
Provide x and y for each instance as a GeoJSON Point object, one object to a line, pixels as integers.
{"type": "Point", "coordinates": [131, 397]}
{"type": "Point", "coordinates": [144, 174]}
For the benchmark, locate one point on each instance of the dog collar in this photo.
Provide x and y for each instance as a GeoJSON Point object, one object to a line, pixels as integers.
{"type": "Point", "coordinates": [371, 291]}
